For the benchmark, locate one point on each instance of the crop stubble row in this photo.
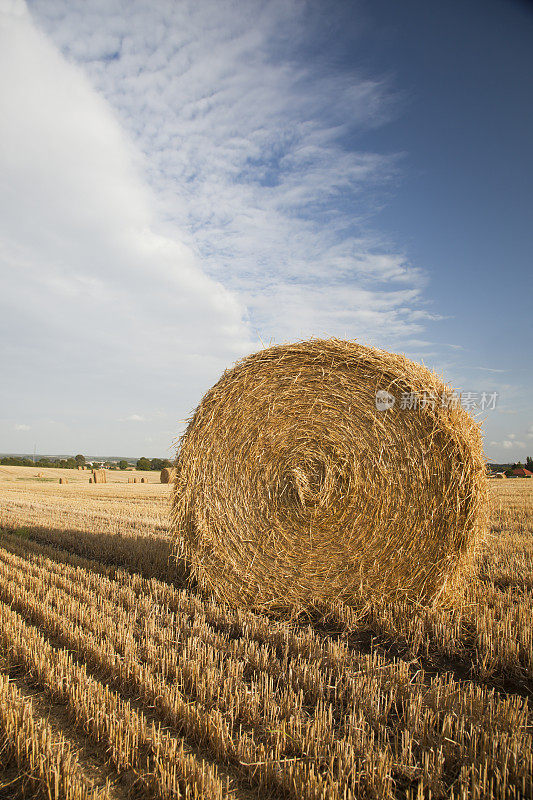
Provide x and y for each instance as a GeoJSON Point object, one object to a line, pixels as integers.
{"type": "Point", "coordinates": [287, 710]}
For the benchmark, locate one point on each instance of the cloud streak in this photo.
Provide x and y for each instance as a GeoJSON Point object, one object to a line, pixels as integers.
{"type": "Point", "coordinates": [245, 147]}
{"type": "Point", "coordinates": [98, 295]}
{"type": "Point", "coordinates": [181, 183]}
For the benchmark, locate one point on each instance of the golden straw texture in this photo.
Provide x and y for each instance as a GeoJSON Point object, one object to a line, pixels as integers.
{"type": "Point", "coordinates": [167, 475]}
{"type": "Point", "coordinates": [295, 490]}
{"type": "Point", "coordinates": [99, 476]}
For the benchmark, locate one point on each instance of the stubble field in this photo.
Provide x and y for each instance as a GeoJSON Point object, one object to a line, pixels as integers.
{"type": "Point", "coordinates": [116, 681]}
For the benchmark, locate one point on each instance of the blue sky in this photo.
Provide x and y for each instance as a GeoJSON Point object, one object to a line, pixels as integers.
{"type": "Point", "coordinates": [187, 182]}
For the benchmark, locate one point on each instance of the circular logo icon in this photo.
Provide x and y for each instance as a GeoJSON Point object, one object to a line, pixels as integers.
{"type": "Point", "coordinates": [384, 400]}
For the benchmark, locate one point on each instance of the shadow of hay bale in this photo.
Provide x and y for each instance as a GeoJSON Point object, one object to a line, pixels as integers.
{"type": "Point", "coordinates": [149, 556]}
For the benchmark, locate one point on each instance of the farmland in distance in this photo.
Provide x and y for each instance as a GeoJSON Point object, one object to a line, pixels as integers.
{"type": "Point", "coordinates": [117, 681]}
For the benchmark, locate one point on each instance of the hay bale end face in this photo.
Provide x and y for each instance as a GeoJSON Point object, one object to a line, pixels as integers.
{"type": "Point", "coordinates": [306, 478]}
{"type": "Point", "coordinates": [143, 480]}
{"type": "Point", "coordinates": [167, 475]}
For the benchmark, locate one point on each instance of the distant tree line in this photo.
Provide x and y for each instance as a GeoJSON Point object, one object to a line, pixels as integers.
{"type": "Point", "coordinates": [63, 463]}
{"type": "Point", "coordinates": [79, 461]}
{"type": "Point", "coordinates": [153, 463]}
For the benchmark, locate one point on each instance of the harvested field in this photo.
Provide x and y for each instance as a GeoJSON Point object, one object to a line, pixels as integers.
{"type": "Point", "coordinates": [117, 682]}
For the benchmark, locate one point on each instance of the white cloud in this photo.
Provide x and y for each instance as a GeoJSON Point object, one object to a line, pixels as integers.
{"type": "Point", "coordinates": [178, 186]}
{"type": "Point", "coordinates": [22, 427]}
{"type": "Point", "coordinates": [529, 433]}
{"type": "Point", "coordinates": [244, 147]}
{"type": "Point", "coordinates": [98, 294]}
{"type": "Point", "coordinates": [510, 443]}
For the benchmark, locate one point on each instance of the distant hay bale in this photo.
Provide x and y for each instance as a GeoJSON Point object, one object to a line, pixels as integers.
{"type": "Point", "coordinates": [130, 480]}
{"type": "Point", "coordinates": [80, 467]}
{"type": "Point", "coordinates": [310, 473]}
{"type": "Point", "coordinates": [143, 480]}
{"type": "Point", "coordinates": [91, 480]}
{"type": "Point", "coordinates": [167, 475]}
{"type": "Point", "coordinates": [63, 480]}
{"type": "Point", "coordinates": [99, 476]}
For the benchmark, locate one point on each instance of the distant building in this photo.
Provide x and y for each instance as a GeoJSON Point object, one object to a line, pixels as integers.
{"type": "Point", "coordinates": [521, 472]}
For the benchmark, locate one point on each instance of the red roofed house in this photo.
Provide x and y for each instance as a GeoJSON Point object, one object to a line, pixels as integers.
{"type": "Point", "coordinates": [521, 472]}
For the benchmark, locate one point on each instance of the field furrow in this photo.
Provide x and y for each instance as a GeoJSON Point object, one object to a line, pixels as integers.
{"type": "Point", "coordinates": [216, 681]}
{"type": "Point", "coordinates": [42, 762]}
{"type": "Point", "coordinates": [161, 765]}
{"type": "Point", "coordinates": [393, 703]}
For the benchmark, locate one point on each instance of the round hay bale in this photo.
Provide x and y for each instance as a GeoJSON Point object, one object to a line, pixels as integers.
{"type": "Point", "coordinates": [310, 473]}
{"type": "Point", "coordinates": [63, 480]}
{"type": "Point", "coordinates": [167, 475]}
{"type": "Point", "coordinates": [99, 476]}
{"type": "Point", "coordinates": [91, 480]}
{"type": "Point", "coordinates": [143, 480]}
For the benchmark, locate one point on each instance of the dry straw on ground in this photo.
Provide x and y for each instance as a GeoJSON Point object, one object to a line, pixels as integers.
{"type": "Point", "coordinates": [167, 475]}
{"type": "Point", "coordinates": [295, 490]}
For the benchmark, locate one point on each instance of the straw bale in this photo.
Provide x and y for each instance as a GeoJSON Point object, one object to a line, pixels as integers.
{"type": "Point", "coordinates": [167, 475]}
{"type": "Point", "coordinates": [143, 480]}
{"type": "Point", "coordinates": [63, 480]}
{"type": "Point", "coordinates": [91, 480]}
{"type": "Point", "coordinates": [304, 479]}
{"type": "Point", "coordinates": [99, 476]}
